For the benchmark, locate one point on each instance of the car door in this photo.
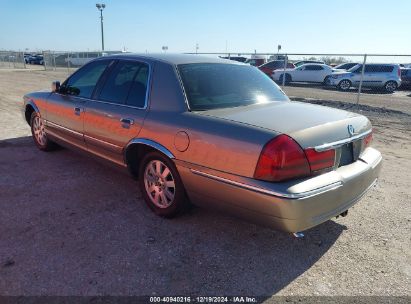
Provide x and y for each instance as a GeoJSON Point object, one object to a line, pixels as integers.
{"type": "Point", "coordinates": [298, 73]}
{"type": "Point", "coordinates": [307, 73]}
{"type": "Point", "coordinates": [371, 75]}
{"type": "Point", "coordinates": [356, 75]}
{"type": "Point", "coordinates": [315, 73]}
{"type": "Point", "coordinates": [65, 108]}
{"type": "Point", "coordinates": [117, 111]}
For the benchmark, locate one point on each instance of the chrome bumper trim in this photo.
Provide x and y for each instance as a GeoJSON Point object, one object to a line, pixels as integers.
{"type": "Point", "coordinates": [339, 143]}
{"type": "Point", "coordinates": [300, 195]}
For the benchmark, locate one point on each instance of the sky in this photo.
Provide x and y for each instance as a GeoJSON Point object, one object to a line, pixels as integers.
{"type": "Point", "coordinates": [306, 26]}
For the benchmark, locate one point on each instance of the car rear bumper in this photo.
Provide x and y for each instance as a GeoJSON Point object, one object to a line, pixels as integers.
{"type": "Point", "coordinates": [292, 206]}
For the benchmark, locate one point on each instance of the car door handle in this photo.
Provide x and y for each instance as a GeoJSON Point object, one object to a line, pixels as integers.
{"type": "Point", "coordinates": [127, 121]}
{"type": "Point", "coordinates": [77, 111]}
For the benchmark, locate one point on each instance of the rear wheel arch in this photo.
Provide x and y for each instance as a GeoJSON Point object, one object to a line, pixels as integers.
{"type": "Point", "coordinates": [288, 78]}
{"type": "Point", "coordinates": [137, 149]}
{"type": "Point", "coordinates": [390, 86]}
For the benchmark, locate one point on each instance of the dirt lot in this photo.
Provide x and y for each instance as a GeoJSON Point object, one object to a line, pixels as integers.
{"type": "Point", "coordinates": [70, 225]}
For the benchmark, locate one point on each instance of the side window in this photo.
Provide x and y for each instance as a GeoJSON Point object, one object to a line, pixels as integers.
{"type": "Point", "coordinates": [378, 68]}
{"type": "Point", "coordinates": [358, 70]}
{"type": "Point", "coordinates": [126, 84]}
{"type": "Point", "coordinates": [137, 94]}
{"type": "Point", "coordinates": [82, 83]}
{"type": "Point", "coordinates": [313, 68]}
{"type": "Point", "coordinates": [270, 65]}
{"type": "Point", "coordinates": [387, 68]}
{"type": "Point", "coordinates": [119, 82]}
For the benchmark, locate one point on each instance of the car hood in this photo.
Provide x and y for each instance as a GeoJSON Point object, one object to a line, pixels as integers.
{"type": "Point", "coordinates": [310, 125]}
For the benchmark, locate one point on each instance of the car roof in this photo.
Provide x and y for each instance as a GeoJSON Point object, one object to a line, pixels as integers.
{"type": "Point", "coordinates": [312, 63]}
{"type": "Point", "coordinates": [393, 64]}
{"type": "Point", "coordinates": [173, 59]}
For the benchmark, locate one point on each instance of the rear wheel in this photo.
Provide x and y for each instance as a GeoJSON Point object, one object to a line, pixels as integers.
{"type": "Point", "coordinates": [390, 86]}
{"type": "Point", "coordinates": [344, 85]}
{"type": "Point", "coordinates": [161, 185]}
{"type": "Point", "coordinates": [287, 78]}
{"type": "Point", "coordinates": [39, 134]}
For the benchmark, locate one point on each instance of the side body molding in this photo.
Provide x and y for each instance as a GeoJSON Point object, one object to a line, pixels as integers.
{"type": "Point", "coordinates": [148, 142]}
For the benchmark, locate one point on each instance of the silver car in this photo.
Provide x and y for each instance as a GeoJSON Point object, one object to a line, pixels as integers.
{"type": "Point", "coordinates": [211, 132]}
{"type": "Point", "coordinates": [376, 76]}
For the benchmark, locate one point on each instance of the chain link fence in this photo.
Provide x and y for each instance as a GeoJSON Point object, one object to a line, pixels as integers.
{"type": "Point", "coordinates": [377, 80]}
{"type": "Point", "coordinates": [370, 80]}
{"type": "Point", "coordinates": [12, 60]}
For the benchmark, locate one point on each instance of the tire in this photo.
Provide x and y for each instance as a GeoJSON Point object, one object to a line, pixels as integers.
{"type": "Point", "coordinates": [39, 134]}
{"type": "Point", "coordinates": [390, 86]}
{"type": "Point", "coordinates": [288, 78]}
{"type": "Point", "coordinates": [344, 85]}
{"type": "Point", "coordinates": [162, 190]}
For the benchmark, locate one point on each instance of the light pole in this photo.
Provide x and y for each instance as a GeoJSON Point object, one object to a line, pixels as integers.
{"type": "Point", "coordinates": [100, 7]}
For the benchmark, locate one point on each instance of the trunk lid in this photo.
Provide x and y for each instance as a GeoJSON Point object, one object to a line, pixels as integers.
{"type": "Point", "coordinates": [310, 125]}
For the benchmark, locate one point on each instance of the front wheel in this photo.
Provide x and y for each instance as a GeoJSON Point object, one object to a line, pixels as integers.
{"type": "Point", "coordinates": [161, 185]}
{"type": "Point", "coordinates": [344, 85]}
{"type": "Point", "coordinates": [390, 86]}
{"type": "Point", "coordinates": [38, 133]}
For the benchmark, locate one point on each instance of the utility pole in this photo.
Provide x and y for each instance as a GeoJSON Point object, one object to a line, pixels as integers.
{"type": "Point", "coordinates": [101, 7]}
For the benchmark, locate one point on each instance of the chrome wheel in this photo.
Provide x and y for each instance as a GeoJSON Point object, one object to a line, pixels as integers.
{"type": "Point", "coordinates": [345, 85]}
{"type": "Point", "coordinates": [390, 86]}
{"type": "Point", "coordinates": [159, 184]}
{"type": "Point", "coordinates": [39, 131]}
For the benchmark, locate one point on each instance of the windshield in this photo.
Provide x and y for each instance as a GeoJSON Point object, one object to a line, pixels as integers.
{"type": "Point", "coordinates": [354, 68]}
{"type": "Point", "coordinates": [214, 85]}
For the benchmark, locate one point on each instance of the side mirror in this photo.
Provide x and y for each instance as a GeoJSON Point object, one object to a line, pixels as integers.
{"type": "Point", "coordinates": [55, 86]}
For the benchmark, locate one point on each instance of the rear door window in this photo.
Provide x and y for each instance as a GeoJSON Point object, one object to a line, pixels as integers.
{"type": "Point", "coordinates": [387, 68]}
{"type": "Point", "coordinates": [126, 84]}
{"type": "Point", "coordinates": [138, 91]}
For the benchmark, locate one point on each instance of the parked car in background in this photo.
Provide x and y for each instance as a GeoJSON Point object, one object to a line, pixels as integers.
{"type": "Point", "coordinates": [304, 73]}
{"type": "Point", "coordinates": [36, 59]}
{"type": "Point", "coordinates": [406, 77]}
{"type": "Point", "coordinates": [300, 63]}
{"type": "Point", "coordinates": [345, 66]}
{"type": "Point", "coordinates": [212, 132]}
{"type": "Point", "coordinates": [256, 60]}
{"type": "Point", "coordinates": [269, 67]}
{"type": "Point", "coordinates": [26, 57]}
{"type": "Point", "coordinates": [235, 58]}
{"type": "Point", "coordinates": [376, 76]}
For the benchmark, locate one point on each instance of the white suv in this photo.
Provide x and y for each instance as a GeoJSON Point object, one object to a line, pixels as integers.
{"type": "Point", "coordinates": [376, 75]}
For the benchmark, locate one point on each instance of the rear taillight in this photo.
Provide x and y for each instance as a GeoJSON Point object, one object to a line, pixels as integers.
{"type": "Point", "coordinates": [320, 160]}
{"type": "Point", "coordinates": [282, 159]}
{"type": "Point", "coordinates": [367, 140]}
{"type": "Point", "coordinates": [399, 72]}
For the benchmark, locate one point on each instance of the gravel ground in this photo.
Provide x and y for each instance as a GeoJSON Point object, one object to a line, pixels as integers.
{"type": "Point", "coordinates": [71, 225]}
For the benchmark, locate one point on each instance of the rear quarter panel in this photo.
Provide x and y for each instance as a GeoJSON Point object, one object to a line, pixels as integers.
{"type": "Point", "coordinates": [212, 142]}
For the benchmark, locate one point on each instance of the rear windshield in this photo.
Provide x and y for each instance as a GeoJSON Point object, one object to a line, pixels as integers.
{"type": "Point", "coordinates": [215, 85]}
